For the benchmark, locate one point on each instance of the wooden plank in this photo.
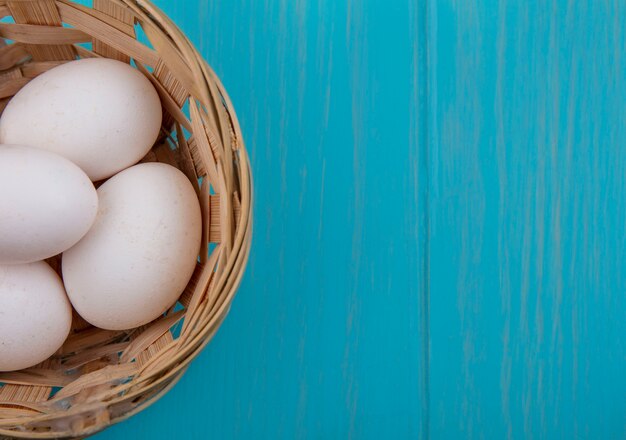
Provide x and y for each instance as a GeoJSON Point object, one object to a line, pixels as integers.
{"type": "Point", "coordinates": [527, 219]}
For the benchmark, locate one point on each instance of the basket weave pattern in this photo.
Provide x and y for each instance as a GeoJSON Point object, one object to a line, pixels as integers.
{"type": "Point", "coordinates": [101, 377]}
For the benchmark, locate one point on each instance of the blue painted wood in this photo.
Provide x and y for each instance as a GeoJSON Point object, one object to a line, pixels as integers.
{"type": "Point", "coordinates": [527, 219]}
{"type": "Point", "coordinates": [439, 225]}
{"type": "Point", "coordinates": [324, 338]}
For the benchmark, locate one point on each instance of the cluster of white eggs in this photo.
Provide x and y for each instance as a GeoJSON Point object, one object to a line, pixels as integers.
{"type": "Point", "coordinates": [128, 247]}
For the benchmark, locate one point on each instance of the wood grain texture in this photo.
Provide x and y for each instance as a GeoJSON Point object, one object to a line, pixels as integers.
{"type": "Point", "coordinates": [527, 219]}
{"type": "Point", "coordinates": [324, 339]}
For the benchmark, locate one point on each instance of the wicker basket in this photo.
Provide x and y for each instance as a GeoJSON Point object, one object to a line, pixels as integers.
{"type": "Point", "coordinates": [101, 377]}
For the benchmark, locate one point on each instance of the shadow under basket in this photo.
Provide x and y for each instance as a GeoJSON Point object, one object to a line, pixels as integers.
{"type": "Point", "coordinates": [101, 377]}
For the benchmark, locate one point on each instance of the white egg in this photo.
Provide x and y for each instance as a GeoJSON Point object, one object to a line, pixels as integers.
{"type": "Point", "coordinates": [35, 315]}
{"type": "Point", "coordinates": [140, 253]}
{"type": "Point", "coordinates": [47, 204]}
{"type": "Point", "coordinates": [101, 114]}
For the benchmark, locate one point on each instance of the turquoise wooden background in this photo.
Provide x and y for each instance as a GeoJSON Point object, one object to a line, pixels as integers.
{"type": "Point", "coordinates": [440, 225]}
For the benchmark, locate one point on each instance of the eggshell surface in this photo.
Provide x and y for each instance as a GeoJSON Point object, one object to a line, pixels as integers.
{"type": "Point", "coordinates": [101, 114]}
{"type": "Point", "coordinates": [141, 251]}
{"type": "Point", "coordinates": [47, 204]}
{"type": "Point", "coordinates": [35, 315]}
